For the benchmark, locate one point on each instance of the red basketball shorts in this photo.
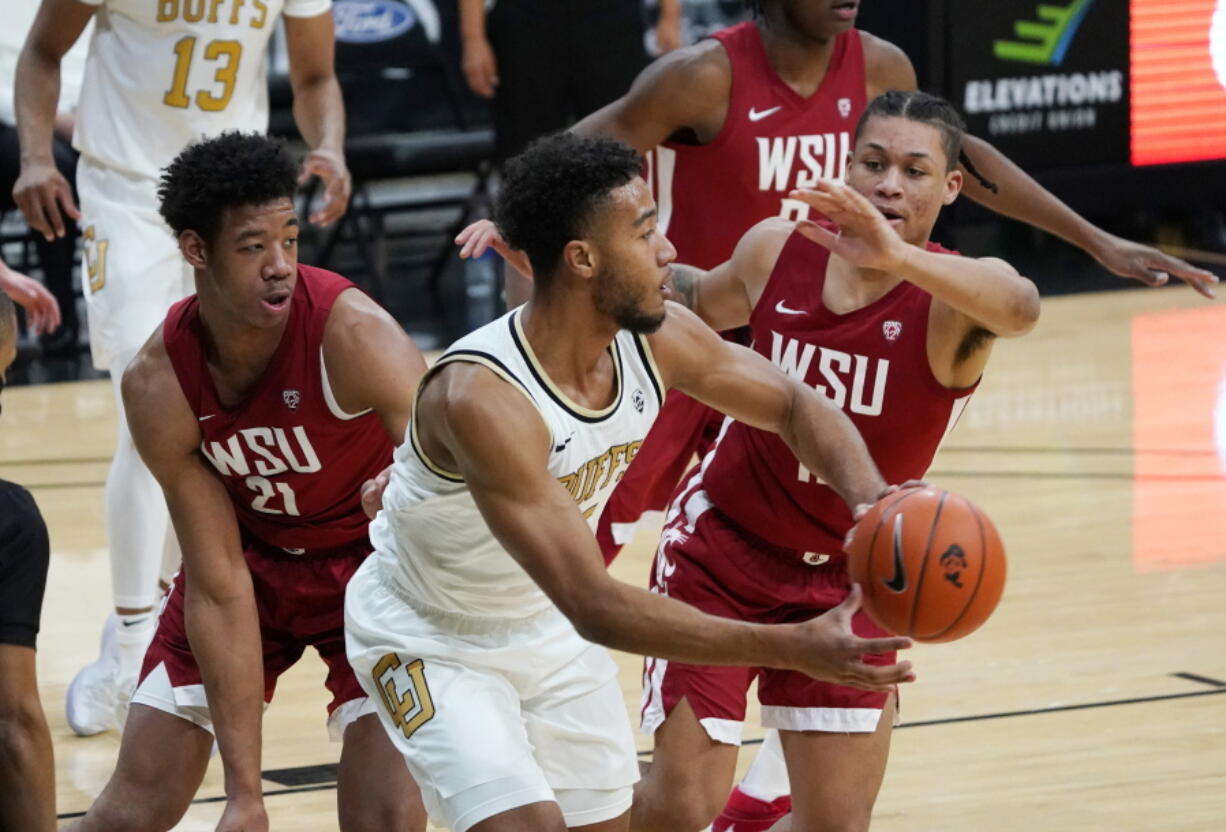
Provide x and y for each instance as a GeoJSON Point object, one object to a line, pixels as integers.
{"type": "Point", "coordinates": [301, 603]}
{"type": "Point", "coordinates": [684, 427]}
{"type": "Point", "coordinates": [708, 562]}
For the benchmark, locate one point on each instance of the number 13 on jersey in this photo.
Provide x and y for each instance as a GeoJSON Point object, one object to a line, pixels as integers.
{"type": "Point", "coordinates": [225, 53]}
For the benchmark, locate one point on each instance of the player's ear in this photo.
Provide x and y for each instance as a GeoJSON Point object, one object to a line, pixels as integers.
{"type": "Point", "coordinates": [580, 258]}
{"type": "Point", "coordinates": [194, 249]}
{"type": "Point", "coordinates": [953, 186]}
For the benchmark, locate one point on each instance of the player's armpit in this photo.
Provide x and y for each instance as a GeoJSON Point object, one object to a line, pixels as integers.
{"type": "Point", "coordinates": [685, 89]}
{"type": "Point", "coordinates": [372, 363]}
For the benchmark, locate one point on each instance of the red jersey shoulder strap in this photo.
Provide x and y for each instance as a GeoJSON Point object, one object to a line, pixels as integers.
{"type": "Point", "coordinates": [847, 64]}
{"type": "Point", "coordinates": [181, 335]}
{"type": "Point", "coordinates": [797, 279]}
{"type": "Point", "coordinates": [747, 58]}
{"type": "Point", "coordinates": [320, 289]}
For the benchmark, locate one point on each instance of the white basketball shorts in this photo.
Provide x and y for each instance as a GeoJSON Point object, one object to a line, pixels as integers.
{"type": "Point", "coordinates": [132, 270]}
{"type": "Point", "coordinates": [490, 714]}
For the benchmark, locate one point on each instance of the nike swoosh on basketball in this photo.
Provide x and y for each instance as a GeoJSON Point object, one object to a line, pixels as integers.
{"type": "Point", "coordinates": [899, 582]}
{"type": "Point", "coordinates": [758, 115]}
{"type": "Point", "coordinates": [783, 310]}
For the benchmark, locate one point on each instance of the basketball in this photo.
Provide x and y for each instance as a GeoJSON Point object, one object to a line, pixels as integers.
{"type": "Point", "coordinates": [931, 564]}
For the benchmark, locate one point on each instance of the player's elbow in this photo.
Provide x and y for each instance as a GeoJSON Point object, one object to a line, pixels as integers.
{"type": "Point", "coordinates": [594, 616]}
{"type": "Point", "coordinates": [1023, 310]}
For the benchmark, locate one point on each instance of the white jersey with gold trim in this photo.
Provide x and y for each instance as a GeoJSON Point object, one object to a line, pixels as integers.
{"type": "Point", "coordinates": [431, 541]}
{"type": "Point", "coordinates": [162, 73]}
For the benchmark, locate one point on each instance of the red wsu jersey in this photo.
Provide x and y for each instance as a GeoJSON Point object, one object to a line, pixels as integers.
{"type": "Point", "coordinates": [292, 461]}
{"type": "Point", "coordinates": [772, 141]}
{"type": "Point", "coordinates": [873, 362]}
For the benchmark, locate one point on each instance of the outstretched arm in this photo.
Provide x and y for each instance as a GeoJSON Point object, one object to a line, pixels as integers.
{"type": "Point", "coordinates": [685, 89]}
{"type": "Point", "coordinates": [477, 425]}
{"type": "Point", "coordinates": [219, 606]}
{"type": "Point", "coordinates": [744, 385]}
{"type": "Point", "coordinates": [1020, 197]}
{"type": "Point", "coordinates": [987, 292]}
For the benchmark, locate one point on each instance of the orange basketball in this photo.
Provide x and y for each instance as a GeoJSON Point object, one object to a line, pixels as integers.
{"type": "Point", "coordinates": [931, 564]}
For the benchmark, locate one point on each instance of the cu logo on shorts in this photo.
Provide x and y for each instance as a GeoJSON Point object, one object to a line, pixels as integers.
{"type": "Point", "coordinates": [815, 559]}
{"type": "Point", "coordinates": [404, 692]}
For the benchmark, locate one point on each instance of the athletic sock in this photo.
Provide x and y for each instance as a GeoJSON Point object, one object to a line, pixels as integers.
{"type": "Point", "coordinates": [767, 778]}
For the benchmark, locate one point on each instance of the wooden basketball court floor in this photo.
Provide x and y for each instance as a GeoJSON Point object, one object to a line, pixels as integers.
{"type": "Point", "coordinates": [1095, 698]}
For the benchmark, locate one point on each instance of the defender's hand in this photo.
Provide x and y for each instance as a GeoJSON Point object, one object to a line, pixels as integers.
{"type": "Point", "coordinates": [831, 652]}
{"type": "Point", "coordinates": [372, 492]}
{"type": "Point", "coordinates": [476, 238]}
{"type": "Point", "coordinates": [866, 238]}
{"type": "Point", "coordinates": [1149, 265]}
{"type": "Point", "coordinates": [331, 170]}
{"type": "Point", "coordinates": [45, 197]}
{"type": "Point", "coordinates": [42, 309]}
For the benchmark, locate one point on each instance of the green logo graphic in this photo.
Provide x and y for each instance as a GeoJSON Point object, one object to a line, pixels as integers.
{"type": "Point", "coordinates": [1044, 42]}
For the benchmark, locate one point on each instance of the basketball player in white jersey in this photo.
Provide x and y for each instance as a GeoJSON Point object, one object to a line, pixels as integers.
{"type": "Point", "coordinates": [473, 620]}
{"type": "Point", "coordinates": [159, 74]}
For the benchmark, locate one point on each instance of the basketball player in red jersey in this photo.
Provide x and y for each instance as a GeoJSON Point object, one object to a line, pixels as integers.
{"type": "Point", "coordinates": [739, 120]}
{"type": "Point", "coordinates": [261, 405]}
{"type": "Point", "coordinates": [895, 330]}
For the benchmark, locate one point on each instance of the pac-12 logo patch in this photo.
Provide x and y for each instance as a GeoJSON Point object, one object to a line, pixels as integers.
{"type": "Point", "coordinates": [292, 398]}
{"type": "Point", "coordinates": [638, 400]}
{"type": "Point", "coordinates": [891, 330]}
{"type": "Point", "coordinates": [844, 107]}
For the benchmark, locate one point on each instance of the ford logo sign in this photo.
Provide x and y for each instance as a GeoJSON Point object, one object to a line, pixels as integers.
{"type": "Point", "coordinates": [371, 21]}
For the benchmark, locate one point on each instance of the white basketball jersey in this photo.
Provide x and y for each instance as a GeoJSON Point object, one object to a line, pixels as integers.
{"type": "Point", "coordinates": [430, 538]}
{"type": "Point", "coordinates": [162, 73]}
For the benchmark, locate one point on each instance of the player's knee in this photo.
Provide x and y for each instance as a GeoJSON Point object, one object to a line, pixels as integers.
{"type": "Point", "coordinates": [20, 723]}
{"type": "Point", "coordinates": [403, 814]}
{"type": "Point", "coordinates": [836, 819]}
{"type": "Point", "coordinates": [137, 799]}
{"type": "Point", "coordinates": [109, 813]}
{"type": "Point", "coordinates": [677, 810]}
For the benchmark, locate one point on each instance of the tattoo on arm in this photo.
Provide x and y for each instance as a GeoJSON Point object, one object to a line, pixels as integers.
{"type": "Point", "coordinates": [685, 285]}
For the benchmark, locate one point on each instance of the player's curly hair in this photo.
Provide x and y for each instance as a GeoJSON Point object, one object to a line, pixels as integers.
{"type": "Point", "coordinates": [933, 110]}
{"type": "Point", "coordinates": [552, 190]}
{"type": "Point", "coordinates": [228, 171]}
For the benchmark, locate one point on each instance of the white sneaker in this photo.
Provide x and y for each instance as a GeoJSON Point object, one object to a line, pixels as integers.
{"type": "Point", "coordinates": [90, 703]}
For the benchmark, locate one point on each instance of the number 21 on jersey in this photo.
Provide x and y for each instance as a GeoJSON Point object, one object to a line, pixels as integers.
{"type": "Point", "coordinates": [226, 54]}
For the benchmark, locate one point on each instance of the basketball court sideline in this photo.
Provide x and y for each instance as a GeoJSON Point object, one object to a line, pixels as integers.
{"type": "Point", "coordinates": [1092, 700]}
